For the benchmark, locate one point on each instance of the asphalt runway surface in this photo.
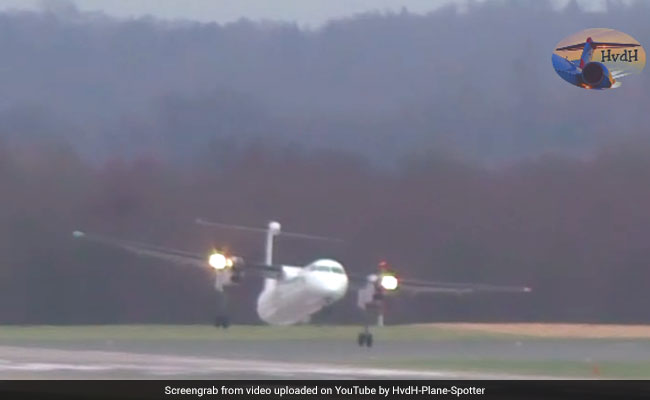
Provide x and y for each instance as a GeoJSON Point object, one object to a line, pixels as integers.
{"type": "Point", "coordinates": [21, 362]}
{"type": "Point", "coordinates": [278, 359]}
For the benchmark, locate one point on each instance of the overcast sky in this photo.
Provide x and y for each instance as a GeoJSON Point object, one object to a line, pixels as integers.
{"type": "Point", "coordinates": [305, 12]}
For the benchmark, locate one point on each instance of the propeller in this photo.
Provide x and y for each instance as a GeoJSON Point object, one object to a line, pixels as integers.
{"type": "Point", "coordinates": [275, 227]}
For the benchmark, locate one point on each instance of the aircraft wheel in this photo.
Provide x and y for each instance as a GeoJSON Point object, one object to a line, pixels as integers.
{"type": "Point", "coordinates": [361, 340]}
{"type": "Point", "coordinates": [369, 340]}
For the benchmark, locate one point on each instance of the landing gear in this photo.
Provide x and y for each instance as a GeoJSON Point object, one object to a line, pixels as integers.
{"type": "Point", "coordinates": [370, 299]}
{"type": "Point", "coordinates": [365, 339]}
{"type": "Point", "coordinates": [222, 321]}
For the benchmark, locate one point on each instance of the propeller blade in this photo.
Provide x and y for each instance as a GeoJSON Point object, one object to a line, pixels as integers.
{"type": "Point", "coordinates": [203, 222]}
{"type": "Point", "coordinates": [310, 237]}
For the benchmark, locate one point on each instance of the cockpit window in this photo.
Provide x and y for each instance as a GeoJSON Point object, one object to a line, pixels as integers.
{"type": "Point", "coordinates": [326, 268]}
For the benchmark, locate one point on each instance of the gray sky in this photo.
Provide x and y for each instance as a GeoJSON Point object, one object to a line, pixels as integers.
{"type": "Point", "coordinates": [305, 12]}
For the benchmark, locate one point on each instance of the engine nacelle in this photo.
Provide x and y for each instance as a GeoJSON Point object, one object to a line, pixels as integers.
{"type": "Point", "coordinates": [372, 294]}
{"type": "Point", "coordinates": [228, 277]}
{"type": "Point", "coordinates": [595, 75]}
{"type": "Point", "coordinates": [369, 294]}
{"type": "Point", "coordinates": [233, 274]}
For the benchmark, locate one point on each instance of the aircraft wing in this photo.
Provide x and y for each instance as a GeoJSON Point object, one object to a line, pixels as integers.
{"type": "Point", "coordinates": [389, 282]}
{"type": "Point", "coordinates": [599, 45]}
{"type": "Point", "coordinates": [372, 289]}
{"type": "Point", "coordinates": [175, 256]}
{"type": "Point", "coordinates": [424, 286]}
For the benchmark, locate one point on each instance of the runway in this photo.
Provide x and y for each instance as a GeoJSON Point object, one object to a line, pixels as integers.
{"type": "Point", "coordinates": [45, 363]}
{"type": "Point", "coordinates": [307, 352]}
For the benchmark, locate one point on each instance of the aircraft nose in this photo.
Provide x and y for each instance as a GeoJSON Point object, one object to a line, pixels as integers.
{"type": "Point", "coordinates": [330, 285]}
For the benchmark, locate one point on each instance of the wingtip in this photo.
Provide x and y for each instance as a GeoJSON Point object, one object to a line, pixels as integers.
{"type": "Point", "coordinates": [78, 234]}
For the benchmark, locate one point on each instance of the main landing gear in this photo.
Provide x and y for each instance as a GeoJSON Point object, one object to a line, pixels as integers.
{"type": "Point", "coordinates": [369, 301]}
{"type": "Point", "coordinates": [365, 339]}
{"type": "Point", "coordinates": [222, 320]}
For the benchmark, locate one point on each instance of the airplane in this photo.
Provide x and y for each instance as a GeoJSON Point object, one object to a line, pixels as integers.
{"type": "Point", "coordinates": [292, 294]}
{"type": "Point", "coordinates": [590, 74]}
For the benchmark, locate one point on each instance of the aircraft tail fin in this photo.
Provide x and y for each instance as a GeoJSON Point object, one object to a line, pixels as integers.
{"type": "Point", "coordinates": [587, 53]}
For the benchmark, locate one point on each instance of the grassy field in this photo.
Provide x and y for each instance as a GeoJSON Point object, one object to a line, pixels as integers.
{"type": "Point", "coordinates": [578, 331]}
{"type": "Point", "coordinates": [465, 333]}
{"type": "Point", "coordinates": [543, 368]}
{"type": "Point", "coordinates": [421, 332]}
{"type": "Point", "coordinates": [237, 332]}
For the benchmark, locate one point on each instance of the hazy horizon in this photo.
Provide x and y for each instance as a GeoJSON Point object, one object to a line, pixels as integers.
{"type": "Point", "coordinates": [312, 14]}
{"type": "Point", "coordinates": [133, 128]}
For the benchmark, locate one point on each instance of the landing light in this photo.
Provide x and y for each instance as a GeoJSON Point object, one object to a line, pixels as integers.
{"type": "Point", "coordinates": [389, 282]}
{"type": "Point", "coordinates": [219, 261]}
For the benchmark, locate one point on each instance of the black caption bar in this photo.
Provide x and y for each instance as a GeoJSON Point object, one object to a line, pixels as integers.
{"type": "Point", "coordinates": [398, 389]}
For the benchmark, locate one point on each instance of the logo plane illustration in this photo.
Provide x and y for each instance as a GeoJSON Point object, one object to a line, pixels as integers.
{"type": "Point", "coordinates": [590, 74]}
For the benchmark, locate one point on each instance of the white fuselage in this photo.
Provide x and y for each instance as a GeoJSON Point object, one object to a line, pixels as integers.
{"type": "Point", "coordinates": [301, 292]}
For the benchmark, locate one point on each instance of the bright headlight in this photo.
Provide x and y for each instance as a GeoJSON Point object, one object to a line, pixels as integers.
{"type": "Point", "coordinates": [218, 261]}
{"type": "Point", "coordinates": [389, 282]}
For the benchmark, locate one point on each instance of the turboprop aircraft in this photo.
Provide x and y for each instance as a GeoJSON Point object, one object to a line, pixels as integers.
{"type": "Point", "coordinates": [590, 74]}
{"type": "Point", "coordinates": [291, 294]}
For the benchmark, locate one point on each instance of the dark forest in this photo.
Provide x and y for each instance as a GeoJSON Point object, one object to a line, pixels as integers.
{"type": "Point", "coordinates": [442, 143]}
